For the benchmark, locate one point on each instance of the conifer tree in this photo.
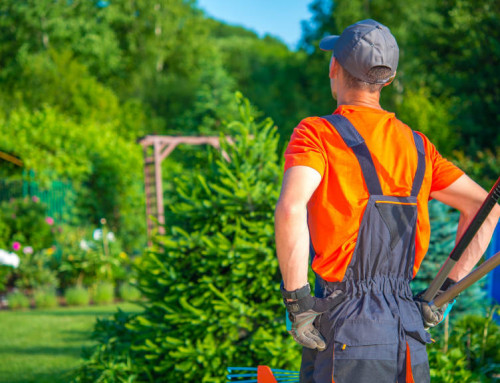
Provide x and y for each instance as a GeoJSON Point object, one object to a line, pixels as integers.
{"type": "Point", "coordinates": [212, 282]}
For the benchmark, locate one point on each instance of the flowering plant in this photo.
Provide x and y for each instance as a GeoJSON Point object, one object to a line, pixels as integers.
{"type": "Point", "coordinates": [25, 221]}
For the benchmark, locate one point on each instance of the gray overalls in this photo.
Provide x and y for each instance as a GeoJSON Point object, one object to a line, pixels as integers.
{"type": "Point", "coordinates": [367, 335]}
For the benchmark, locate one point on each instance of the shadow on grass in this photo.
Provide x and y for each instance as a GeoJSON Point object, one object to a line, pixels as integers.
{"type": "Point", "coordinates": [61, 376]}
{"type": "Point", "coordinates": [42, 350]}
{"type": "Point", "coordinates": [72, 312]}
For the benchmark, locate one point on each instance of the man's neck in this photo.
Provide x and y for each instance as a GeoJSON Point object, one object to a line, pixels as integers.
{"type": "Point", "coordinates": [360, 98]}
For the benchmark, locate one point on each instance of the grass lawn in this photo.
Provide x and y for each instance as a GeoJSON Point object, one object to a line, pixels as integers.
{"type": "Point", "coordinates": [44, 346]}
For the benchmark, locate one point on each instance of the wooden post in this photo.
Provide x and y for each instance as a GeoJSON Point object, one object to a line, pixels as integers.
{"type": "Point", "coordinates": [162, 147]}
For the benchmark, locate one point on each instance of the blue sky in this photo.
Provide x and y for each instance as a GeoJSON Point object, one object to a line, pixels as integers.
{"type": "Point", "coordinates": [280, 18]}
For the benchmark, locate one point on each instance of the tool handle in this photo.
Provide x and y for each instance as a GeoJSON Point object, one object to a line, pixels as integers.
{"type": "Point", "coordinates": [470, 279]}
{"type": "Point", "coordinates": [465, 240]}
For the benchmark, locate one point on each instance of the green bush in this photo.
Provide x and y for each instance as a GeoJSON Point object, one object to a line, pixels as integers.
{"type": "Point", "coordinates": [77, 296]}
{"type": "Point", "coordinates": [5, 272]}
{"type": "Point", "coordinates": [129, 293]}
{"type": "Point", "coordinates": [17, 300]}
{"type": "Point", "coordinates": [34, 271]}
{"type": "Point", "coordinates": [212, 282]}
{"type": "Point", "coordinates": [45, 298]}
{"type": "Point", "coordinates": [104, 293]}
{"type": "Point", "coordinates": [471, 353]}
{"type": "Point", "coordinates": [25, 221]}
{"type": "Point", "coordinates": [482, 166]}
{"type": "Point", "coordinates": [85, 261]}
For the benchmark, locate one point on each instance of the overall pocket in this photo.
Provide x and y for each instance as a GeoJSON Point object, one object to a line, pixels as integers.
{"type": "Point", "coordinates": [416, 339]}
{"type": "Point", "coordinates": [365, 351]}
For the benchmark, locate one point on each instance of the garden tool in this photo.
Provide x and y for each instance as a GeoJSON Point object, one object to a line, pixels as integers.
{"type": "Point", "coordinates": [262, 374]}
{"type": "Point", "coordinates": [468, 235]}
{"type": "Point", "coordinates": [467, 281]}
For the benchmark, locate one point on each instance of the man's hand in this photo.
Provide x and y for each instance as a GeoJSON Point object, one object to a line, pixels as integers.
{"type": "Point", "coordinates": [432, 315]}
{"type": "Point", "coordinates": [303, 309]}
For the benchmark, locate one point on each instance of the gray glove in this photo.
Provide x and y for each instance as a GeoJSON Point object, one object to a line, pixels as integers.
{"type": "Point", "coordinates": [303, 309]}
{"type": "Point", "coordinates": [432, 315]}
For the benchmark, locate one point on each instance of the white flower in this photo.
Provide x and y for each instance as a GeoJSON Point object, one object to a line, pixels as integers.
{"type": "Point", "coordinates": [84, 245]}
{"type": "Point", "coordinates": [9, 259]}
{"type": "Point", "coordinates": [110, 237]}
{"type": "Point", "coordinates": [97, 235]}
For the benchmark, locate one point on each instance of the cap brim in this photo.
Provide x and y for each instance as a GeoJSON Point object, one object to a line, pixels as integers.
{"type": "Point", "coordinates": [328, 43]}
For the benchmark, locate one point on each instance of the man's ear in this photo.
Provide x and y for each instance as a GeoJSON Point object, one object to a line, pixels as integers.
{"type": "Point", "coordinates": [334, 68]}
{"type": "Point", "coordinates": [390, 80]}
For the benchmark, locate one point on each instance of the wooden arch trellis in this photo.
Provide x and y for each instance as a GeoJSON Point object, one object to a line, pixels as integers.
{"type": "Point", "coordinates": [162, 147]}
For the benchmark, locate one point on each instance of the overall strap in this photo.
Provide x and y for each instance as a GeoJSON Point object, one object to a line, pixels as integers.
{"type": "Point", "coordinates": [354, 140]}
{"type": "Point", "coordinates": [419, 174]}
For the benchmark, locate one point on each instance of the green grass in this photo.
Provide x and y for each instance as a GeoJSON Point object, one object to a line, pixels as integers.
{"type": "Point", "coordinates": [44, 346]}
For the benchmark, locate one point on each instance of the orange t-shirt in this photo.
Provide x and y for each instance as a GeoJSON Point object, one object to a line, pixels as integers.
{"type": "Point", "coordinates": [336, 208]}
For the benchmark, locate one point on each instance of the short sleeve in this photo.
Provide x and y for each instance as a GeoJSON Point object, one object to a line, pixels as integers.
{"type": "Point", "coordinates": [305, 148]}
{"type": "Point", "coordinates": [444, 172]}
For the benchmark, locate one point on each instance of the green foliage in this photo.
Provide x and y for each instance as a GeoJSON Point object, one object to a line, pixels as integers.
{"type": "Point", "coordinates": [104, 293]}
{"type": "Point", "coordinates": [25, 221]}
{"type": "Point", "coordinates": [47, 141]}
{"type": "Point", "coordinates": [77, 296]}
{"type": "Point", "coordinates": [17, 300]}
{"type": "Point", "coordinates": [471, 354]}
{"type": "Point", "coordinates": [58, 80]}
{"type": "Point", "coordinates": [111, 360]}
{"type": "Point", "coordinates": [129, 292]}
{"type": "Point", "coordinates": [448, 54]}
{"type": "Point", "coordinates": [105, 170]}
{"type": "Point", "coordinates": [85, 261]}
{"type": "Point", "coordinates": [444, 222]}
{"type": "Point", "coordinates": [213, 280]}
{"type": "Point", "coordinates": [429, 116]}
{"type": "Point", "coordinates": [45, 298]}
{"type": "Point", "coordinates": [482, 167]}
{"type": "Point", "coordinates": [34, 271]}
{"type": "Point", "coordinates": [5, 272]}
{"type": "Point", "coordinates": [460, 58]}
{"type": "Point", "coordinates": [270, 75]}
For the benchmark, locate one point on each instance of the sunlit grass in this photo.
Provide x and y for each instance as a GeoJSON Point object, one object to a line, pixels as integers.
{"type": "Point", "coordinates": [44, 346]}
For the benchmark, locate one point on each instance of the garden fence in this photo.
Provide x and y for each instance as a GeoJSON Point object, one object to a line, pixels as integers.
{"type": "Point", "coordinates": [58, 196]}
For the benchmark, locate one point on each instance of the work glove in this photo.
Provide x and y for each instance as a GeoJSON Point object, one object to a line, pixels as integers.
{"type": "Point", "coordinates": [303, 309]}
{"type": "Point", "coordinates": [432, 315]}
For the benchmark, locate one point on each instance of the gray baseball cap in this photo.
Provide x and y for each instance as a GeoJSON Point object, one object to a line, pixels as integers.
{"type": "Point", "coordinates": [361, 47]}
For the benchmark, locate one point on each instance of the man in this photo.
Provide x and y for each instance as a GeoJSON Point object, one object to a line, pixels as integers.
{"type": "Point", "coordinates": [355, 191]}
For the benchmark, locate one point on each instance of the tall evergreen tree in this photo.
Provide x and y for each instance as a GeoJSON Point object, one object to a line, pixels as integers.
{"type": "Point", "coordinates": [212, 281]}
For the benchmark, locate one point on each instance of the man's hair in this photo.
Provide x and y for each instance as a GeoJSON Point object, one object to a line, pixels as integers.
{"type": "Point", "coordinates": [377, 73]}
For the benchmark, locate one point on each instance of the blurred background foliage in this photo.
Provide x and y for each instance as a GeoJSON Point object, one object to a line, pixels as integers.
{"type": "Point", "coordinates": [82, 80]}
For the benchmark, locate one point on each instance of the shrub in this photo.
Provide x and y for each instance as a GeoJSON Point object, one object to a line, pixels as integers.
{"type": "Point", "coordinates": [85, 260]}
{"type": "Point", "coordinates": [27, 224]}
{"type": "Point", "coordinates": [34, 271]}
{"type": "Point", "coordinates": [17, 300]}
{"type": "Point", "coordinates": [212, 282]}
{"type": "Point", "coordinates": [471, 354]}
{"type": "Point", "coordinates": [129, 293]}
{"type": "Point", "coordinates": [45, 298]}
{"type": "Point", "coordinates": [5, 272]}
{"type": "Point", "coordinates": [77, 296]}
{"type": "Point", "coordinates": [104, 293]}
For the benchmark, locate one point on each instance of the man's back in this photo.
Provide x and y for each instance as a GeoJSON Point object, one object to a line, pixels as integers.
{"type": "Point", "coordinates": [337, 205]}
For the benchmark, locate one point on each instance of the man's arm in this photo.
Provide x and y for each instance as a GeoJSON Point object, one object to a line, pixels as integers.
{"type": "Point", "coordinates": [467, 196]}
{"type": "Point", "coordinates": [292, 233]}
